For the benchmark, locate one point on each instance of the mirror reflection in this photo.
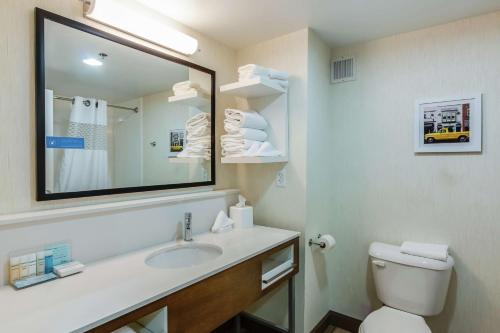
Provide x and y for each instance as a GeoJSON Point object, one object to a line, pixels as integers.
{"type": "Point", "coordinates": [117, 117]}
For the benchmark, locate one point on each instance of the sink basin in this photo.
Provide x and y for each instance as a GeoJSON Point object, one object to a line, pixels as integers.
{"type": "Point", "coordinates": [184, 255]}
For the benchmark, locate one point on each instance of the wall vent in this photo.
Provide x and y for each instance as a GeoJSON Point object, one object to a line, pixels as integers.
{"type": "Point", "coordinates": [343, 69]}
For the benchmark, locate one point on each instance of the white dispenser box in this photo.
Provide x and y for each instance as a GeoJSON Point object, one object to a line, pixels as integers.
{"type": "Point", "coordinates": [241, 214]}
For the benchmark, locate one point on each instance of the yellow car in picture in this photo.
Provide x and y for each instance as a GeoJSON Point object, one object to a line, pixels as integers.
{"type": "Point", "coordinates": [446, 135]}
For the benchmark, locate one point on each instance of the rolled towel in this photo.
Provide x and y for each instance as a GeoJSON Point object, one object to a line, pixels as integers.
{"type": "Point", "coordinates": [425, 250]}
{"type": "Point", "coordinates": [248, 119]}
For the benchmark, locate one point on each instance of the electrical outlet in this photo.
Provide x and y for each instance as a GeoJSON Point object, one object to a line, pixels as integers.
{"type": "Point", "coordinates": [281, 178]}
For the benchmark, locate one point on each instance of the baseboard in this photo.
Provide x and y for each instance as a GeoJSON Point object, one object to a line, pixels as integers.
{"type": "Point", "coordinates": [339, 320]}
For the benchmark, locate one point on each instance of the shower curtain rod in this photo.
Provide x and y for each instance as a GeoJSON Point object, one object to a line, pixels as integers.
{"type": "Point", "coordinates": [69, 99]}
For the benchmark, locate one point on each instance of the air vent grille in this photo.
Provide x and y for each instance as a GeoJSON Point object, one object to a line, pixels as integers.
{"type": "Point", "coordinates": [343, 69]}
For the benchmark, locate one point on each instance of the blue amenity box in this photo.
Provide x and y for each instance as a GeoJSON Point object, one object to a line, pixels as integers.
{"type": "Point", "coordinates": [64, 142]}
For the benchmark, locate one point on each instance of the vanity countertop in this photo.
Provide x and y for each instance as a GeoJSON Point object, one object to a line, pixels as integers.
{"type": "Point", "coordinates": [110, 288]}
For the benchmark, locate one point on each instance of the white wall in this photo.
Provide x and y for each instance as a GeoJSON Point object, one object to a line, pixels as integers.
{"type": "Point", "coordinates": [127, 145]}
{"type": "Point", "coordinates": [382, 191]}
{"type": "Point", "coordinates": [17, 100]}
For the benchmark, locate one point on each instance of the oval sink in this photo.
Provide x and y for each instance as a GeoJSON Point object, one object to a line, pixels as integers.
{"type": "Point", "coordinates": [184, 255]}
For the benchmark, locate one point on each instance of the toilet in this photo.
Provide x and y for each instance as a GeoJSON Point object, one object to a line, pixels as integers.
{"type": "Point", "coordinates": [410, 287]}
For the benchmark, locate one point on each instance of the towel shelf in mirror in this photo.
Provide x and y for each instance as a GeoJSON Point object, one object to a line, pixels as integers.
{"type": "Point", "coordinates": [195, 99]}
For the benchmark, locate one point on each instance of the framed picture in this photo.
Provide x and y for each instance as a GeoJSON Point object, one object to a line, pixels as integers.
{"type": "Point", "coordinates": [448, 125]}
{"type": "Point", "coordinates": [177, 141]}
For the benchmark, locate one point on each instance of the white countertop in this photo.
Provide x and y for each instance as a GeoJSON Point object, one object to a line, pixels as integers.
{"type": "Point", "coordinates": [110, 288]}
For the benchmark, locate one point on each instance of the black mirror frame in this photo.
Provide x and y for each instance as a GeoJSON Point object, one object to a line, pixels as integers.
{"type": "Point", "coordinates": [41, 195]}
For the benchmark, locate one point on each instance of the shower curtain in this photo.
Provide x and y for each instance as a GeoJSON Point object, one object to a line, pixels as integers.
{"type": "Point", "coordinates": [86, 169]}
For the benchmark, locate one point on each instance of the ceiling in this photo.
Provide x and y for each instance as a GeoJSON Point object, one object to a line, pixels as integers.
{"type": "Point", "coordinates": [239, 23]}
{"type": "Point", "coordinates": [125, 75]}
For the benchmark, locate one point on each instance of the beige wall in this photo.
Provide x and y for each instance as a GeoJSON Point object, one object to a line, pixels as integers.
{"type": "Point", "coordinates": [319, 190]}
{"type": "Point", "coordinates": [282, 207]}
{"type": "Point", "coordinates": [17, 91]}
{"type": "Point", "coordinates": [382, 191]}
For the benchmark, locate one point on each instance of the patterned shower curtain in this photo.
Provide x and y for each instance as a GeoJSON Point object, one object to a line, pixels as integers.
{"type": "Point", "coordinates": [86, 169]}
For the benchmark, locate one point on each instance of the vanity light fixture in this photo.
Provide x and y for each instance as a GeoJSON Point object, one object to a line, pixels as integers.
{"type": "Point", "coordinates": [136, 19]}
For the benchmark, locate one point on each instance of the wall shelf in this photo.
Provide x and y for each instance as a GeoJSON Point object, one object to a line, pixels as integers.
{"type": "Point", "coordinates": [257, 87]}
{"type": "Point", "coordinates": [271, 101]}
{"type": "Point", "coordinates": [195, 99]}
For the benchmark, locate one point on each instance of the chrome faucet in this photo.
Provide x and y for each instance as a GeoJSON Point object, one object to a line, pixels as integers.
{"type": "Point", "coordinates": [187, 228]}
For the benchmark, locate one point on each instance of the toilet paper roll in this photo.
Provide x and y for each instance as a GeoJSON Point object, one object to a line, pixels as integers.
{"type": "Point", "coordinates": [329, 242]}
{"type": "Point", "coordinates": [242, 216]}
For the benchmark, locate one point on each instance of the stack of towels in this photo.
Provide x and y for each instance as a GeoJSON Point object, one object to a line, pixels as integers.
{"type": "Point", "coordinates": [198, 136]}
{"type": "Point", "coordinates": [185, 88]}
{"type": "Point", "coordinates": [252, 71]}
{"type": "Point", "coordinates": [425, 250]}
{"type": "Point", "coordinates": [246, 135]}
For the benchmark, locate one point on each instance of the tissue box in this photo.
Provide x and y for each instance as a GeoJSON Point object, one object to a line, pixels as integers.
{"type": "Point", "coordinates": [242, 216]}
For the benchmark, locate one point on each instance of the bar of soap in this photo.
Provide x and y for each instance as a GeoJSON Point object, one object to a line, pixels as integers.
{"type": "Point", "coordinates": [69, 268]}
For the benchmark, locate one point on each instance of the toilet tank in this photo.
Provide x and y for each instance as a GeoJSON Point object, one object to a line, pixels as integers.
{"type": "Point", "coordinates": [410, 283]}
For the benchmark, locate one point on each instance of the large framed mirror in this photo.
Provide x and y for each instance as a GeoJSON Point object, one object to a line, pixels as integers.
{"type": "Point", "coordinates": [113, 116]}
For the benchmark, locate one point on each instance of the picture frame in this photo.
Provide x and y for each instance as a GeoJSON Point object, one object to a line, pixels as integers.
{"type": "Point", "coordinates": [449, 125]}
{"type": "Point", "coordinates": [177, 141]}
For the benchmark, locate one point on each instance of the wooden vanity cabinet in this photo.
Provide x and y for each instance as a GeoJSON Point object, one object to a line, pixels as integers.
{"type": "Point", "coordinates": [207, 304]}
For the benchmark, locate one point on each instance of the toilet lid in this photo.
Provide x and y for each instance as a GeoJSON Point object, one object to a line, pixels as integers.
{"type": "Point", "coordinates": [389, 320]}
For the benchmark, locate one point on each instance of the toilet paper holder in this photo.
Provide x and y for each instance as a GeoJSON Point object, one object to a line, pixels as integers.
{"type": "Point", "coordinates": [320, 244]}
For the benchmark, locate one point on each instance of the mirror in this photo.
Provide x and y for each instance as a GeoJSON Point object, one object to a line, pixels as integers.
{"type": "Point", "coordinates": [114, 116]}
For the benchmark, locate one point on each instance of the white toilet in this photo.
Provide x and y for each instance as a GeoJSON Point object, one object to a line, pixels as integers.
{"type": "Point", "coordinates": [409, 286]}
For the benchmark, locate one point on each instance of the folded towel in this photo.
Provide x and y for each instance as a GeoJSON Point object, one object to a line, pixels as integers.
{"type": "Point", "coordinates": [262, 71]}
{"type": "Point", "coordinates": [249, 149]}
{"type": "Point", "coordinates": [232, 143]}
{"type": "Point", "coordinates": [430, 251]}
{"type": "Point", "coordinates": [184, 86]}
{"type": "Point", "coordinates": [186, 153]}
{"type": "Point", "coordinates": [199, 120]}
{"type": "Point", "coordinates": [222, 223]}
{"type": "Point", "coordinates": [249, 119]}
{"type": "Point", "coordinates": [249, 134]}
{"type": "Point", "coordinates": [267, 149]}
{"type": "Point", "coordinates": [247, 71]}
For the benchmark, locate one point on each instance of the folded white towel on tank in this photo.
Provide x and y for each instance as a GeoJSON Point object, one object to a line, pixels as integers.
{"type": "Point", "coordinates": [425, 250]}
{"type": "Point", "coordinates": [236, 119]}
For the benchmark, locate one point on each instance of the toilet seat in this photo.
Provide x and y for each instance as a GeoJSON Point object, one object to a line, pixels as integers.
{"type": "Point", "coordinates": [389, 320]}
